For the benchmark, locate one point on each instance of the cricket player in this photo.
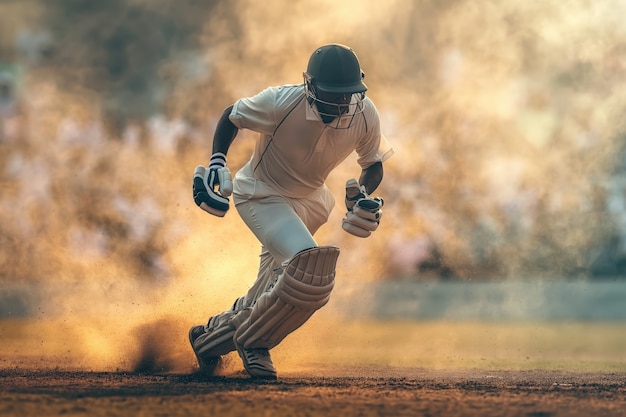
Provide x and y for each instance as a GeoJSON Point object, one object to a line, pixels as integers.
{"type": "Point", "coordinates": [305, 131]}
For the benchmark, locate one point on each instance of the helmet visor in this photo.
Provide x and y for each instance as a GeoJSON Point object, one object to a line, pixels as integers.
{"type": "Point", "coordinates": [359, 87]}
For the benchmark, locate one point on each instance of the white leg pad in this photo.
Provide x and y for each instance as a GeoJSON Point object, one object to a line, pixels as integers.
{"type": "Point", "coordinates": [218, 340]}
{"type": "Point", "coordinates": [303, 288]}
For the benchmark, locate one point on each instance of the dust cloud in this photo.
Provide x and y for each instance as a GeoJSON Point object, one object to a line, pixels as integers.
{"type": "Point", "coordinates": [507, 120]}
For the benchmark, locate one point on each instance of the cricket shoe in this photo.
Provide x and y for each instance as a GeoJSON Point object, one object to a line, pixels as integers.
{"type": "Point", "coordinates": [258, 362]}
{"type": "Point", "coordinates": [207, 364]}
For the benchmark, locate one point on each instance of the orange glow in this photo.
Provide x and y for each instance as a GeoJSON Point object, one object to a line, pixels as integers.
{"type": "Point", "coordinates": [506, 118]}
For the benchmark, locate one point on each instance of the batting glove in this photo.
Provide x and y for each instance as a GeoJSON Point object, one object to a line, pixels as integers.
{"type": "Point", "coordinates": [212, 186]}
{"type": "Point", "coordinates": [364, 212]}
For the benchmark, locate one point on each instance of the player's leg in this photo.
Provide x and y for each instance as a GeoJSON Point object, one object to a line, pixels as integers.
{"type": "Point", "coordinates": [282, 233]}
{"type": "Point", "coordinates": [284, 227]}
{"type": "Point", "coordinates": [303, 285]}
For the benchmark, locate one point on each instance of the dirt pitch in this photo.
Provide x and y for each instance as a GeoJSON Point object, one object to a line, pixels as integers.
{"type": "Point", "coordinates": [369, 368]}
{"type": "Point", "coordinates": [368, 391]}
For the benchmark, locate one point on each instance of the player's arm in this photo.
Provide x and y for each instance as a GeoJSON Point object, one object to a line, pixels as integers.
{"type": "Point", "coordinates": [225, 133]}
{"type": "Point", "coordinates": [371, 177]}
{"type": "Point", "coordinates": [213, 185]}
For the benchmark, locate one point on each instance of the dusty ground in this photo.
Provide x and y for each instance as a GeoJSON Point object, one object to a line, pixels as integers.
{"type": "Point", "coordinates": [367, 391]}
{"type": "Point", "coordinates": [369, 368]}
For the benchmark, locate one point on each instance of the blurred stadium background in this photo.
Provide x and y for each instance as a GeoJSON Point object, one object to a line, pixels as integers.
{"type": "Point", "coordinates": [507, 187]}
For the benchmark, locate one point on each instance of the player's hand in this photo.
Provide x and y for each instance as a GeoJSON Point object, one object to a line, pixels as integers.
{"type": "Point", "coordinates": [364, 212]}
{"type": "Point", "coordinates": [212, 186]}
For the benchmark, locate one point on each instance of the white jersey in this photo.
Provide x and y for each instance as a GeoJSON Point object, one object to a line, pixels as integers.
{"type": "Point", "coordinates": [296, 150]}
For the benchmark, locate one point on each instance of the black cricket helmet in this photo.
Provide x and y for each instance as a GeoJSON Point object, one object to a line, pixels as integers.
{"type": "Point", "coordinates": [334, 71]}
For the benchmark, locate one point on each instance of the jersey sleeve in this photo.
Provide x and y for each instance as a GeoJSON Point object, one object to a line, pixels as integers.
{"type": "Point", "coordinates": [256, 113]}
{"type": "Point", "coordinates": [374, 146]}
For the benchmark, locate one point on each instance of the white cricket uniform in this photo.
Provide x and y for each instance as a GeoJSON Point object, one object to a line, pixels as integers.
{"type": "Point", "coordinates": [280, 193]}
